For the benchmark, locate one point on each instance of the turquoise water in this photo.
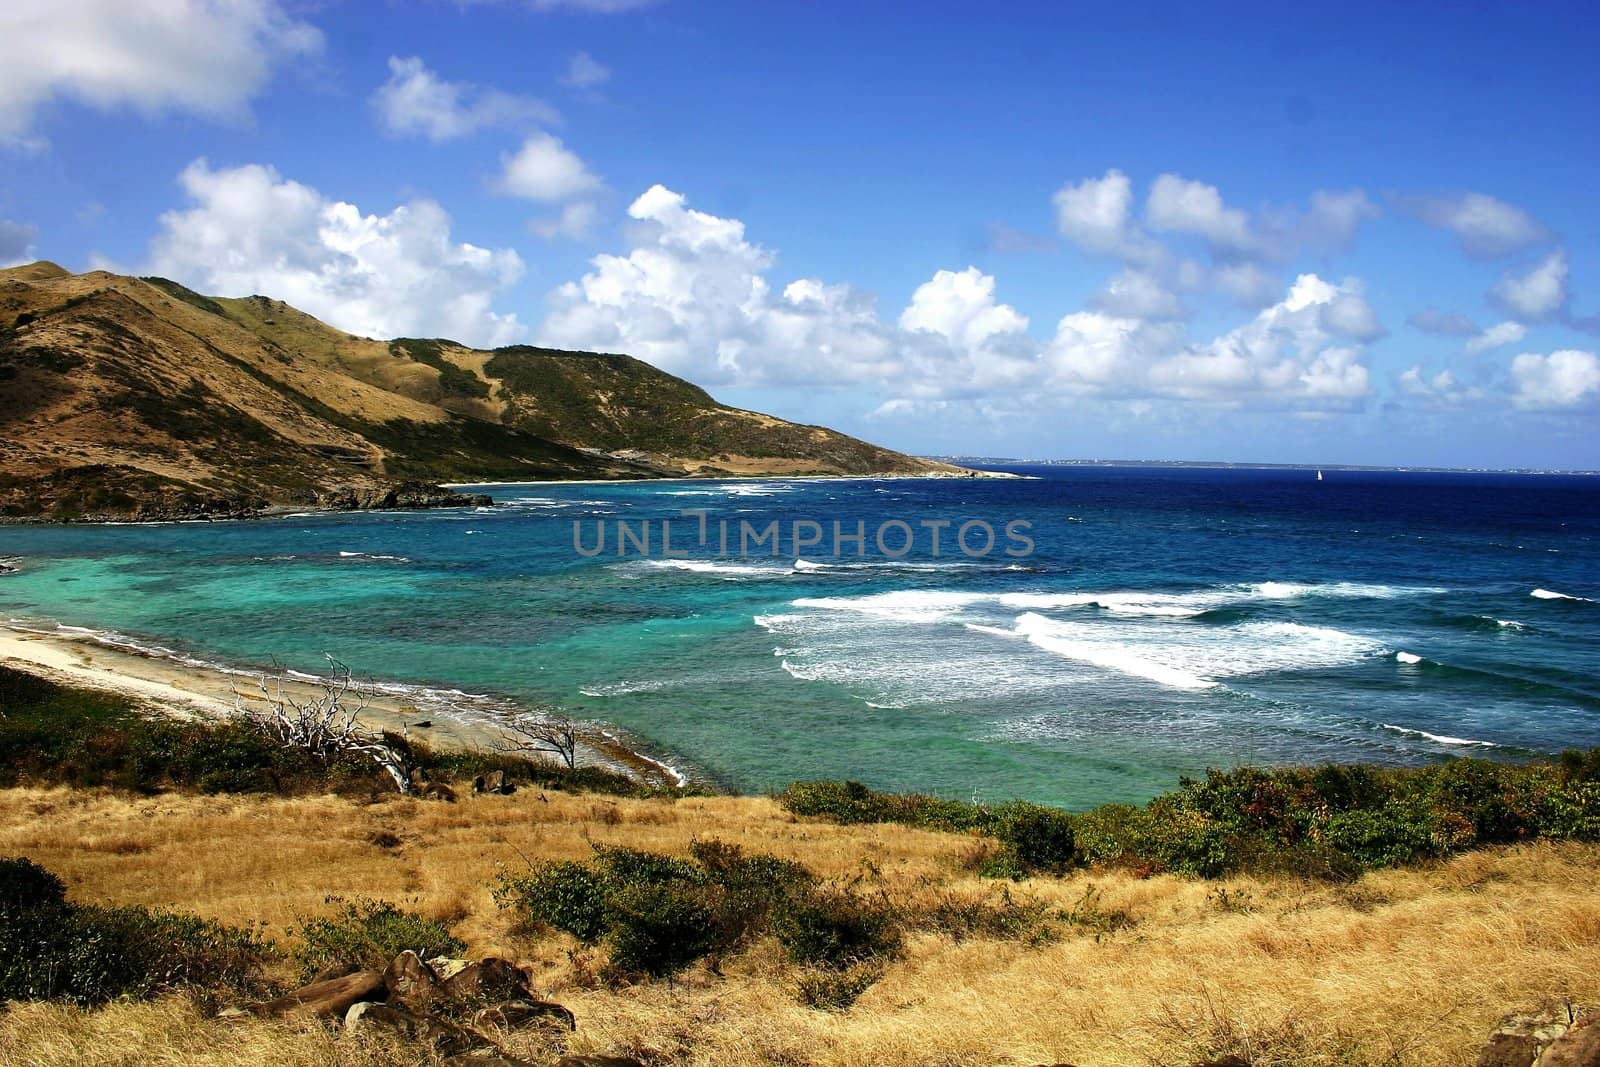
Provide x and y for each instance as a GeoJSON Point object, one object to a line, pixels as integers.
{"type": "Point", "coordinates": [1167, 620]}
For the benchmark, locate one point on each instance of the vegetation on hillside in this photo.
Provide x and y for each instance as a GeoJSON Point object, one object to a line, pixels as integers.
{"type": "Point", "coordinates": [52, 734]}
{"type": "Point", "coordinates": [238, 403]}
{"type": "Point", "coordinates": [1330, 822]}
{"type": "Point", "coordinates": [617, 402]}
{"type": "Point", "coordinates": [51, 949]}
{"type": "Point", "coordinates": [1340, 918]}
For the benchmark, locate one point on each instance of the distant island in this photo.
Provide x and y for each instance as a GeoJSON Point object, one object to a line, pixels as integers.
{"type": "Point", "coordinates": [139, 398]}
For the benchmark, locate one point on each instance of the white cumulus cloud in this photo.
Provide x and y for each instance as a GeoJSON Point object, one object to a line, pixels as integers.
{"type": "Point", "coordinates": [415, 101]}
{"type": "Point", "coordinates": [1285, 355]}
{"type": "Point", "coordinates": [1536, 295]}
{"type": "Point", "coordinates": [1096, 214]}
{"type": "Point", "coordinates": [1497, 336]}
{"type": "Point", "coordinates": [202, 57]}
{"type": "Point", "coordinates": [544, 169]}
{"type": "Point", "coordinates": [1562, 380]}
{"type": "Point", "coordinates": [1178, 205]}
{"type": "Point", "coordinates": [1439, 389]}
{"type": "Point", "coordinates": [1138, 294]}
{"type": "Point", "coordinates": [692, 296]}
{"type": "Point", "coordinates": [585, 72]}
{"type": "Point", "coordinates": [249, 230]}
{"type": "Point", "coordinates": [1486, 227]}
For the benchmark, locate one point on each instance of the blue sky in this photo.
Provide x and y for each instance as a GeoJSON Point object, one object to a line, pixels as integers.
{"type": "Point", "coordinates": [1142, 231]}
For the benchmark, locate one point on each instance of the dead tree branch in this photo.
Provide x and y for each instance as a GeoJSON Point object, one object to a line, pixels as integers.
{"type": "Point", "coordinates": [328, 725]}
{"type": "Point", "coordinates": [549, 735]}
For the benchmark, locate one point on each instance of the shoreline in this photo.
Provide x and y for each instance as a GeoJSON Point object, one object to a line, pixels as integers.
{"type": "Point", "coordinates": [879, 477]}
{"type": "Point", "coordinates": [281, 511]}
{"type": "Point", "coordinates": [81, 657]}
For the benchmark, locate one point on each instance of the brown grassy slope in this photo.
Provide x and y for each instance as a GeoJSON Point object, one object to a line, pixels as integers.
{"type": "Point", "coordinates": [121, 377]}
{"type": "Point", "coordinates": [1403, 967]}
{"type": "Point", "coordinates": [107, 378]}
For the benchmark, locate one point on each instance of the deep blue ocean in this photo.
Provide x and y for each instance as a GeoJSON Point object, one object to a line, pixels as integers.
{"type": "Point", "coordinates": [1166, 620]}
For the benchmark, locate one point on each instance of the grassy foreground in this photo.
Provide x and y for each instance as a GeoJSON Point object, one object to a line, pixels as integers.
{"type": "Point", "coordinates": [1405, 966]}
{"type": "Point", "coordinates": [1319, 916]}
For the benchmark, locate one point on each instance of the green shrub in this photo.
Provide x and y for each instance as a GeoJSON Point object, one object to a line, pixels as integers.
{"type": "Point", "coordinates": [1037, 838]}
{"type": "Point", "coordinates": [24, 886]}
{"type": "Point", "coordinates": [1384, 837]}
{"type": "Point", "coordinates": [1330, 822]}
{"type": "Point", "coordinates": [54, 950]}
{"type": "Point", "coordinates": [367, 935]}
{"type": "Point", "coordinates": [750, 888]}
{"type": "Point", "coordinates": [658, 914]}
{"type": "Point", "coordinates": [565, 896]}
{"type": "Point", "coordinates": [834, 927]}
{"type": "Point", "coordinates": [660, 928]}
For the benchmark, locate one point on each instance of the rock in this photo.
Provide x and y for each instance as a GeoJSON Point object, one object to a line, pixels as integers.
{"type": "Point", "coordinates": [437, 791]}
{"type": "Point", "coordinates": [489, 981]}
{"type": "Point", "coordinates": [444, 967]}
{"type": "Point", "coordinates": [515, 1014]}
{"type": "Point", "coordinates": [444, 1038]}
{"type": "Point", "coordinates": [1520, 1039]}
{"type": "Point", "coordinates": [407, 494]}
{"type": "Point", "coordinates": [331, 998]}
{"type": "Point", "coordinates": [493, 782]}
{"type": "Point", "coordinates": [1578, 1047]}
{"type": "Point", "coordinates": [410, 982]}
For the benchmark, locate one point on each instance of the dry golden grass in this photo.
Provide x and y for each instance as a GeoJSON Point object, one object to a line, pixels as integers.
{"type": "Point", "coordinates": [1410, 967]}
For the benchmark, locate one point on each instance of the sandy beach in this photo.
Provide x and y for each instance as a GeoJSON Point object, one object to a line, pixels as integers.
{"type": "Point", "coordinates": [195, 691]}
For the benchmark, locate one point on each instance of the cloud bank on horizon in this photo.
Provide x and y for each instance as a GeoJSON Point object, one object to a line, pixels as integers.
{"type": "Point", "coordinates": [1153, 298]}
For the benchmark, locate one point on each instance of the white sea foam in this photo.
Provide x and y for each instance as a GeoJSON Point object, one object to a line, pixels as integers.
{"type": "Point", "coordinates": [1551, 594]}
{"type": "Point", "coordinates": [814, 566]}
{"type": "Point", "coordinates": [901, 605]}
{"type": "Point", "coordinates": [1407, 658]}
{"type": "Point", "coordinates": [1190, 658]}
{"type": "Point", "coordinates": [375, 556]}
{"type": "Point", "coordinates": [1054, 637]}
{"type": "Point", "coordinates": [1196, 602]}
{"type": "Point", "coordinates": [618, 689]}
{"type": "Point", "coordinates": [907, 645]}
{"type": "Point", "coordinates": [721, 568]}
{"type": "Point", "coordinates": [1438, 739]}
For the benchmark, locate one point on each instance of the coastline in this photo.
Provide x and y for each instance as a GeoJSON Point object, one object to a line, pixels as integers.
{"type": "Point", "coordinates": [887, 476]}
{"type": "Point", "coordinates": [193, 690]}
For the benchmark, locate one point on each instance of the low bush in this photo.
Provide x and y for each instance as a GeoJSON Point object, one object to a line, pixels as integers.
{"type": "Point", "coordinates": [831, 926]}
{"type": "Point", "coordinates": [831, 990]}
{"type": "Point", "coordinates": [658, 914]}
{"type": "Point", "coordinates": [1033, 837]}
{"type": "Point", "coordinates": [1330, 822]}
{"type": "Point", "coordinates": [997, 919]}
{"type": "Point", "coordinates": [51, 949]}
{"type": "Point", "coordinates": [367, 935]}
{"type": "Point", "coordinates": [52, 734]}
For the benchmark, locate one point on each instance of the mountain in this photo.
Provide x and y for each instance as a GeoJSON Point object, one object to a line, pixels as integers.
{"type": "Point", "coordinates": [124, 396]}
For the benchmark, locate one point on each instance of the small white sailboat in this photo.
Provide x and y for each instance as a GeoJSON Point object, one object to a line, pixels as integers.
{"type": "Point", "coordinates": [1319, 476]}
